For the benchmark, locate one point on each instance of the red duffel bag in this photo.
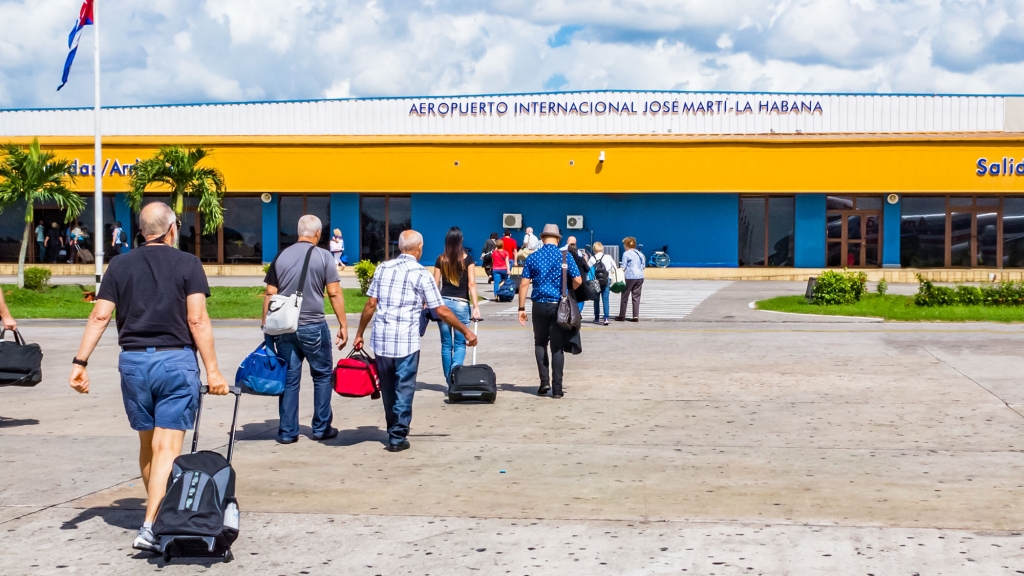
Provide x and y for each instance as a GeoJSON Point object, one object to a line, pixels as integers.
{"type": "Point", "coordinates": [356, 376]}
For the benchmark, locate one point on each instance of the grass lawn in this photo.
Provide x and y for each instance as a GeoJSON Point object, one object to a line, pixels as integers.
{"type": "Point", "coordinates": [224, 302]}
{"type": "Point", "coordinates": [894, 307]}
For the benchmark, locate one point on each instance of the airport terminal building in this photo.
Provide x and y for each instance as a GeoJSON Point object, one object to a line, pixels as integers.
{"type": "Point", "coordinates": [725, 180]}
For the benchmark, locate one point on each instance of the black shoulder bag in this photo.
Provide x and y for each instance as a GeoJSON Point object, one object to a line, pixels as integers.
{"type": "Point", "coordinates": [569, 317]}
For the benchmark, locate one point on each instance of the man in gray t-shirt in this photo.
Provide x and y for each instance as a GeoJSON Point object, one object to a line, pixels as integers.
{"type": "Point", "coordinates": [312, 341]}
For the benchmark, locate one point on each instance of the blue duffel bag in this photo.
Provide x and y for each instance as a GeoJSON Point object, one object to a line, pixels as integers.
{"type": "Point", "coordinates": [262, 372]}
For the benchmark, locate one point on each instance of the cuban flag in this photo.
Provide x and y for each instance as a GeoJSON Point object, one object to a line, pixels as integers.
{"type": "Point", "coordinates": [84, 19]}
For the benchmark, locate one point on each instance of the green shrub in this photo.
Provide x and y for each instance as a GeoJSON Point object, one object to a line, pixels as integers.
{"type": "Point", "coordinates": [843, 287]}
{"type": "Point", "coordinates": [883, 287]}
{"type": "Point", "coordinates": [266, 267]}
{"type": "Point", "coordinates": [364, 272]}
{"type": "Point", "coordinates": [1003, 294]}
{"type": "Point", "coordinates": [37, 278]}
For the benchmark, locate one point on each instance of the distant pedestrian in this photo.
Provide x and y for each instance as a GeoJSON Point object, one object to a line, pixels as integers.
{"type": "Point", "coordinates": [455, 273]}
{"type": "Point", "coordinates": [118, 239]}
{"type": "Point", "coordinates": [544, 269]}
{"type": "Point", "coordinates": [54, 243]}
{"type": "Point", "coordinates": [633, 261]}
{"type": "Point", "coordinates": [485, 254]}
{"type": "Point", "coordinates": [337, 246]}
{"type": "Point", "coordinates": [510, 246]}
{"type": "Point", "coordinates": [601, 264]}
{"type": "Point", "coordinates": [530, 245]}
{"type": "Point", "coordinates": [501, 266]}
{"type": "Point", "coordinates": [580, 257]}
{"type": "Point", "coordinates": [311, 342]}
{"type": "Point", "coordinates": [400, 289]}
{"type": "Point", "coordinates": [75, 238]}
{"type": "Point", "coordinates": [160, 297]}
{"type": "Point", "coordinates": [40, 242]}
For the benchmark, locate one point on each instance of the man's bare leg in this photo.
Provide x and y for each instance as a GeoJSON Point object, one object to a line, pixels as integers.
{"type": "Point", "coordinates": [165, 446]}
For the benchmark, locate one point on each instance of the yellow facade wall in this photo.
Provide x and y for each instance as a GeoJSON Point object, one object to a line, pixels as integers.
{"type": "Point", "coordinates": [840, 164]}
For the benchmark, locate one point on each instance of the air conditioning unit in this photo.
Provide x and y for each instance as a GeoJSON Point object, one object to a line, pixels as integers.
{"type": "Point", "coordinates": [574, 222]}
{"type": "Point", "coordinates": [512, 221]}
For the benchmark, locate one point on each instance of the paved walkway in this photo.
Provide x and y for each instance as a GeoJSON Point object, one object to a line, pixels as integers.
{"type": "Point", "coordinates": [731, 442]}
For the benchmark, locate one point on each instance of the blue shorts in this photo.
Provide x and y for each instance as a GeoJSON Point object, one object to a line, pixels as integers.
{"type": "Point", "coordinates": [160, 389]}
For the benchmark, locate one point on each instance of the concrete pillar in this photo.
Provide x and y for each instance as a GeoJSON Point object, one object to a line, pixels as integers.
{"type": "Point", "coordinates": [891, 234]}
{"type": "Point", "coordinates": [345, 217]}
{"type": "Point", "coordinates": [809, 244]}
{"type": "Point", "coordinates": [270, 231]}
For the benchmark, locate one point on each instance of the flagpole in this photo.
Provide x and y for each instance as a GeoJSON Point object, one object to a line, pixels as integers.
{"type": "Point", "coordinates": [98, 233]}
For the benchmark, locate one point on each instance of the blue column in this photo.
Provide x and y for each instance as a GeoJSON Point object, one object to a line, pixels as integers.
{"type": "Point", "coordinates": [809, 244]}
{"type": "Point", "coordinates": [345, 217]}
{"type": "Point", "coordinates": [270, 232]}
{"type": "Point", "coordinates": [891, 235]}
{"type": "Point", "coordinates": [123, 214]}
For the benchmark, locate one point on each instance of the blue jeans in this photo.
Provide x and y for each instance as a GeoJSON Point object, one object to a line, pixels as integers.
{"type": "Point", "coordinates": [499, 277]}
{"type": "Point", "coordinates": [453, 344]}
{"type": "Point", "coordinates": [397, 387]}
{"type": "Point", "coordinates": [604, 298]}
{"type": "Point", "coordinates": [312, 342]}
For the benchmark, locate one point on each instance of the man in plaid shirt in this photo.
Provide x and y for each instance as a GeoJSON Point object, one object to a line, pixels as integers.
{"type": "Point", "coordinates": [400, 288]}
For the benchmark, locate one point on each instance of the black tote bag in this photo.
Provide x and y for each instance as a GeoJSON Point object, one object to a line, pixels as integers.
{"type": "Point", "coordinates": [569, 316]}
{"type": "Point", "coordinates": [21, 364]}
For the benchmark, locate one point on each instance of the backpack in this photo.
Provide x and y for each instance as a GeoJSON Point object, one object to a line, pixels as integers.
{"type": "Point", "coordinates": [507, 290]}
{"type": "Point", "coordinates": [600, 271]}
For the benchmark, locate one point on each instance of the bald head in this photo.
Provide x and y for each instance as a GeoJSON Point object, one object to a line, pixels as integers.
{"type": "Point", "coordinates": [410, 242]}
{"type": "Point", "coordinates": [570, 241]}
{"type": "Point", "coordinates": [155, 219]}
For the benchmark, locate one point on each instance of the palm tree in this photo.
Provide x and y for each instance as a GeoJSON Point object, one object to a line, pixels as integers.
{"type": "Point", "coordinates": [32, 176]}
{"type": "Point", "coordinates": [178, 169]}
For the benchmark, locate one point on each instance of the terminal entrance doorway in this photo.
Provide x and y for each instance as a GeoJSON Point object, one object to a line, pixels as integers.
{"type": "Point", "coordinates": [854, 231]}
{"type": "Point", "coordinates": [974, 232]}
{"type": "Point", "coordinates": [381, 220]}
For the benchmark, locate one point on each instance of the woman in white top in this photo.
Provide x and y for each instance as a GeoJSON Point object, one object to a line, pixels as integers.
{"type": "Point", "coordinates": [602, 273]}
{"type": "Point", "coordinates": [338, 248]}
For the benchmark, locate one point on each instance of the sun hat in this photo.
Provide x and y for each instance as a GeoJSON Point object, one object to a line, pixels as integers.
{"type": "Point", "coordinates": [551, 230]}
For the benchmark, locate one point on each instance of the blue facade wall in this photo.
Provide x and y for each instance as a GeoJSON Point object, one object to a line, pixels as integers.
{"type": "Point", "coordinates": [123, 214]}
{"type": "Point", "coordinates": [345, 217]}
{"type": "Point", "coordinates": [891, 235]}
{"type": "Point", "coordinates": [701, 230]}
{"type": "Point", "coordinates": [270, 232]}
{"type": "Point", "coordinates": [809, 231]}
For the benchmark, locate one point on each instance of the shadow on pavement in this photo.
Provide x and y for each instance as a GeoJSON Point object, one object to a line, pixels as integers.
{"type": "Point", "coordinates": [531, 390]}
{"type": "Point", "coordinates": [14, 422]}
{"type": "Point", "coordinates": [435, 387]}
{"type": "Point", "coordinates": [127, 513]}
{"type": "Point", "coordinates": [358, 436]}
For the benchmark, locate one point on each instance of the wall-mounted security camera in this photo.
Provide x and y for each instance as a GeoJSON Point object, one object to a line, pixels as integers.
{"type": "Point", "coordinates": [600, 157]}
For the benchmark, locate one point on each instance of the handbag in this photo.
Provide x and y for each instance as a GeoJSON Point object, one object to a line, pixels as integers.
{"type": "Point", "coordinates": [617, 276]}
{"type": "Point", "coordinates": [21, 364]}
{"type": "Point", "coordinates": [262, 372]}
{"type": "Point", "coordinates": [356, 376]}
{"type": "Point", "coordinates": [283, 311]}
{"type": "Point", "coordinates": [569, 316]}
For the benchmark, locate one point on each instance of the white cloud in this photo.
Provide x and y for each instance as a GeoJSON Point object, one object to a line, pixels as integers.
{"type": "Point", "coordinates": [166, 51]}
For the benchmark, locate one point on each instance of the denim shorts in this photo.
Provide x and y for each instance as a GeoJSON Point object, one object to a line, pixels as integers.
{"type": "Point", "coordinates": [160, 389]}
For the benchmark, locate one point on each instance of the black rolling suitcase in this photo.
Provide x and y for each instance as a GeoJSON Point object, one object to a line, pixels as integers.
{"type": "Point", "coordinates": [199, 514]}
{"type": "Point", "coordinates": [473, 382]}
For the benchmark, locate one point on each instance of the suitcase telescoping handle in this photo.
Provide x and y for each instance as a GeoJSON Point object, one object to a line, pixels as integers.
{"type": "Point", "coordinates": [476, 324]}
{"type": "Point", "coordinates": [203, 391]}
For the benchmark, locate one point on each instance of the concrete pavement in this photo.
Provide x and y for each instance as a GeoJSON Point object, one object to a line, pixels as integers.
{"type": "Point", "coordinates": [733, 442]}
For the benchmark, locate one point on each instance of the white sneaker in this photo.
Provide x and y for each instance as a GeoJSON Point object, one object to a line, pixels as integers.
{"type": "Point", "coordinates": [146, 541]}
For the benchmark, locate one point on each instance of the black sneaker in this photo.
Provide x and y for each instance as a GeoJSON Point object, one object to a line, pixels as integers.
{"type": "Point", "coordinates": [287, 440]}
{"type": "Point", "coordinates": [544, 388]}
{"type": "Point", "coordinates": [398, 447]}
{"type": "Point", "coordinates": [330, 433]}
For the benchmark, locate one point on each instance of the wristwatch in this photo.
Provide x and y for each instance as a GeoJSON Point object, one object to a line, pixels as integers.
{"type": "Point", "coordinates": [81, 363]}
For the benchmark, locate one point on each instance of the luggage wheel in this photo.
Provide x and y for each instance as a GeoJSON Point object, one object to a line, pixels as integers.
{"type": "Point", "coordinates": [228, 556]}
{"type": "Point", "coordinates": [167, 554]}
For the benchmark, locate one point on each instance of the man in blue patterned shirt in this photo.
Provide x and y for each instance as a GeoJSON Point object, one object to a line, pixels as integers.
{"type": "Point", "coordinates": [398, 293]}
{"type": "Point", "coordinates": [544, 269]}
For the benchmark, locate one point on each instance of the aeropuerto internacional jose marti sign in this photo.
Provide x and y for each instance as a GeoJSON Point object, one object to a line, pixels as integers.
{"type": "Point", "coordinates": [549, 107]}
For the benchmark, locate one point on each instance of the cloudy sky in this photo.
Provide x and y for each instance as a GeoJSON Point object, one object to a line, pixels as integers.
{"type": "Point", "coordinates": [168, 51]}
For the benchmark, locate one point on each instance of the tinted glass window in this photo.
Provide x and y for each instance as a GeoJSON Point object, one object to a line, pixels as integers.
{"type": "Point", "coordinates": [781, 221]}
{"type": "Point", "coordinates": [869, 203]}
{"type": "Point", "coordinates": [1013, 232]}
{"type": "Point", "coordinates": [751, 231]}
{"type": "Point", "coordinates": [243, 230]}
{"type": "Point", "coordinates": [923, 232]}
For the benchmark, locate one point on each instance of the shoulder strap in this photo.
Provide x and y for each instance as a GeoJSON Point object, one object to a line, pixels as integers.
{"type": "Point", "coordinates": [565, 272]}
{"type": "Point", "coordinates": [305, 269]}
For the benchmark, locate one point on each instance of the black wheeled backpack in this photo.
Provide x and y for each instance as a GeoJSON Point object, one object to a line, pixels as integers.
{"type": "Point", "coordinates": [473, 382]}
{"type": "Point", "coordinates": [199, 514]}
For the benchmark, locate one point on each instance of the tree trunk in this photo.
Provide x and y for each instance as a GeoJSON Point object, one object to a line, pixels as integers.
{"type": "Point", "coordinates": [179, 207]}
{"type": "Point", "coordinates": [24, 250]}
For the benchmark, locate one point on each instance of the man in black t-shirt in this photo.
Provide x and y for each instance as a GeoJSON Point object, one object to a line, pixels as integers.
{"type": "Point", "coordinates": [160, 296]}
